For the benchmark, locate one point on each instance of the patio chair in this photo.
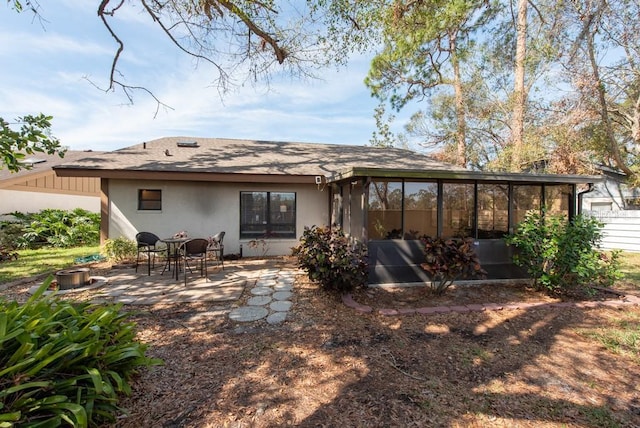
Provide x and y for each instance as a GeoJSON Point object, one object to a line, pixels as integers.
{"type": "Point", "coordinates": [194, 250]}
{"type": "Point", "coordinates": [216, 247]}
{"type": "Point", "coordinates": [147, 244]}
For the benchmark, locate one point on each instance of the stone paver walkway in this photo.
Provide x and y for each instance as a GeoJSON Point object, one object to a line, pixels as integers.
{"type": "Point", "coordinates": [270, 287]}
{"type": "Point", "coordinates": [270, 299]}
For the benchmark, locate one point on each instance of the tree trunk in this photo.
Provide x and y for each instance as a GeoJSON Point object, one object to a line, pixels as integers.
{"type": "Point", "coordinates": [461, 131]}
{"type": "Point", "coordinates": [519, 94]}
{"type": "Point", "coordinates": [604, 112]}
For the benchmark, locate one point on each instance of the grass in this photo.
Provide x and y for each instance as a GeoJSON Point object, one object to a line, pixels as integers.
{"type": "Point", "coordinates": [621, 337]}
{"type": "Point", "coordinates": [42, 261]}
{"type": "Point", "coordinates": [630, 266]}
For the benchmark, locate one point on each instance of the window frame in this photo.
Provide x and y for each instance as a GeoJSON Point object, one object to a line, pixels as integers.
{"type": "Point", "coordinates": [268, 232]}
{"type": "Point", "coordinates": [146, 204]}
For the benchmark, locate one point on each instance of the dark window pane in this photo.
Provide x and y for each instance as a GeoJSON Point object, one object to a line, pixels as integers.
{"type": "Point", "coordinates": [267, 215]}
{"type": "Point", "coordinates": [149, 199]}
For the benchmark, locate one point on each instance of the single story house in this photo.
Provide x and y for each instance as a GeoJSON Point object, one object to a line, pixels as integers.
{"type": "Point", "coordinates": [266, 192]}
{"type": "Point", "coordinates": [36, 187]}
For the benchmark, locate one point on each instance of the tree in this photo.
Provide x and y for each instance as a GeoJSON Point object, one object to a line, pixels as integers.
{"type": "Point", "coordinates": [519, 90]}
{"type": "Point", "coordinates": [424, 44]}
{"type": "Point", "coordinates": [241, 39]}
{"type": "Point", "coordinates": [33, 135]}
{"type": "Point", "coordinates": [604, 67]}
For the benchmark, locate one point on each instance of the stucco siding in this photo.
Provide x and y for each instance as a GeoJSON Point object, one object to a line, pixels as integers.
{"type": "Point", "coordinates": [203, 209]}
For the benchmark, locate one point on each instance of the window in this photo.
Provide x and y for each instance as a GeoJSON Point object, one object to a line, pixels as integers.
{"type": "Point", "coordinates": [458, 208]}
{"type": "Point", "coordinates": [525, 198]}
{"type": "Point", "coordinates": [385, 209]}
{"type": "Point", "coordinates": [420, 209]}
{"type": "Point", "coordinates": [267, 215]}
{"type": "Point", "coordinates": [493, 211]}
{"type": "Point", "coordinates": [149, 200]}
{"type": "Point", "coordinates": [557, 199]}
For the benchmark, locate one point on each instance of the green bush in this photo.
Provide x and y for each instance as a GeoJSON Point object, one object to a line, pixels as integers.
{"type": "Point", "coordinates": [59, 228]}
{"type": "Point", "coordinates": [63, 362]}
{"type": "Point", "coordinates": [120, 249]}
{"type": "Point", "coordinates": [10, 234]}
{"type": "Point", "coordinates": [331, 259]}
{"type": "Point", "coordinates": [447, 260]}
{"type": "Point", "coordinates": [560, 254]}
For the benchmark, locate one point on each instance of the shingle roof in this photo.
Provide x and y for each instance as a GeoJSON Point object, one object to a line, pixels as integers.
{"type": "Point", "coordinates": [231, 156]}
{"type": "Point", "coordinates": [49, 162]}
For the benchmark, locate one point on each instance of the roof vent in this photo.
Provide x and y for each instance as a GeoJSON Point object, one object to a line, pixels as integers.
{"type": "Point", "coordinates": [33, 161]}
{"type": "Point", "coordinates": [188, 144]}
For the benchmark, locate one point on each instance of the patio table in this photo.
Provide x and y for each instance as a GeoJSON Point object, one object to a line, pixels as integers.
{"type": "Point", "coordinates": [172, 254]}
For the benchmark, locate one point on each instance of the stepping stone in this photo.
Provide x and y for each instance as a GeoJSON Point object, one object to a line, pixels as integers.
{"type": "Point", "coordinates": [259, 301]}
{"type": "Point", "coordinates": [280, 306]}
{"type": "Point", "coordinates": [269, 275]}
{"type": "Point", "coordinates": [283, 287]}
{"type": "Point", "coordinates": [248, 313]}
{"type": "Point", "coordinates": [277, 318]}
{"type": "Point", "coordinates": [265, 282]}
{"type": "Point", "coordinates": [282, 295]}
{"type": "Point", "coordinates": [261, 291]}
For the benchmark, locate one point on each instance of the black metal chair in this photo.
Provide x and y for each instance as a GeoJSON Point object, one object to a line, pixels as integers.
{"type": "Point", "coordinates": [194, 250]}
{"type": "Point", "coordinates": [216, 247]}
{"type": "Point", "coordinates": [147, 244]}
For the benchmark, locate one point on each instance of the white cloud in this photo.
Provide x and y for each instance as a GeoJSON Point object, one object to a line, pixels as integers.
{"type": "Point", "coordinates": [50, 78]}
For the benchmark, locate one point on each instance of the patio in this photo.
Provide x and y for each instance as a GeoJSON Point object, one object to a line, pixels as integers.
{"type": "Point", "coordinates": [247, 289]}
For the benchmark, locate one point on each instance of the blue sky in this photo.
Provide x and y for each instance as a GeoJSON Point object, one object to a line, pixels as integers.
{"type": "Point", "coordinates": [45, 68]}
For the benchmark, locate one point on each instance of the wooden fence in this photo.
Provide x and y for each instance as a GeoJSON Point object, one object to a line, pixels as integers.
{"type": "Point", "coordinates": [621, 229]}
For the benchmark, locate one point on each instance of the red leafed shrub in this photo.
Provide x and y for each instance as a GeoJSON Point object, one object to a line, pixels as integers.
{"type": "Point", "coordinates": [449, 259]}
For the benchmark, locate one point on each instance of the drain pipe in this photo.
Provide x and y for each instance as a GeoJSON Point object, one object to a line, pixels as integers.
{"type": "Point", "coordinates": [581, 194]}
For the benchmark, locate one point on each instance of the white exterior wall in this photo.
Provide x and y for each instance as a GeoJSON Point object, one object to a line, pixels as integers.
{"type": "Point", "coordinates": [206, 208]}
{"type": "Point", "coordinates": [33, 202]}
{"type": "Point", "coordinates": [621, 229]}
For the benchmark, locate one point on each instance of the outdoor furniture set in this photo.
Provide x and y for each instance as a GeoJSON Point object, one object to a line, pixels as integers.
{"type": "Point", "coordinates": [180, 252]}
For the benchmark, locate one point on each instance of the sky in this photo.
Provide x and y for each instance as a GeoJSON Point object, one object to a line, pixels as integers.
{"type": "Point", "coordinates": [54, 66]}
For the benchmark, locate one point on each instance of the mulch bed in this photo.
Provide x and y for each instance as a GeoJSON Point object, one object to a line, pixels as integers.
{"type": "Point", "coordinates": [329, 365]}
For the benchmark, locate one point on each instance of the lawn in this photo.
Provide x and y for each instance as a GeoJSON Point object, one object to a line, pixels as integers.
{"type": "Point", "coordinates": [42, 261]}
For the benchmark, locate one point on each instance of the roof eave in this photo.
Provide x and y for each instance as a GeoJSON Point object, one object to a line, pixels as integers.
{"type": "Point", "coordinates": [464, 175]}
{"type": "Point", "coordinates": [124, 174]}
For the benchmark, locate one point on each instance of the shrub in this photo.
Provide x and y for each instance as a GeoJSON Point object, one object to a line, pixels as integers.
{"type": "Point", "coordinates": [450, 259]}
{"type": "Point", "coordinates": [331, 259]}
{"type": "Point", "coordinates": [560, 254]}
{"type": "Point", "coordinates": [64, 362]}
{"type": "Point", "coordinates": [59, 228]}
{"type": "Point", "coordinates": [10, 234]}
{"type": "Point", "coordinates": [120, 249]}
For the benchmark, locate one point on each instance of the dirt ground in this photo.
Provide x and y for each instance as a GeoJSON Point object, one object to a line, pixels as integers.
{"type": "Point", "coordinates": [329, 365]}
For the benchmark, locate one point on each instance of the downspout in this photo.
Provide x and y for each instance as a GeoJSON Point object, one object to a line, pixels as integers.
{"type": "Point", "coordinates": [581, 194]}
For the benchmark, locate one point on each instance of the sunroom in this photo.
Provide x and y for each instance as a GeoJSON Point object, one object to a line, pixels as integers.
{"type": "Point", "coordinates": [391, 209]}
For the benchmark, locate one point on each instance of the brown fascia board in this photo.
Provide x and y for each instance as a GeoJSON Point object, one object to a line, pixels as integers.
{"type": "Point", "coordinates": [465, 175]}
{"type": "Point", "coordinates": [185, 176]}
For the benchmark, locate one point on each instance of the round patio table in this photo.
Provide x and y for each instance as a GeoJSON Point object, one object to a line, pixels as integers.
{"type": "Point", "coordinates": [172, 253]}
